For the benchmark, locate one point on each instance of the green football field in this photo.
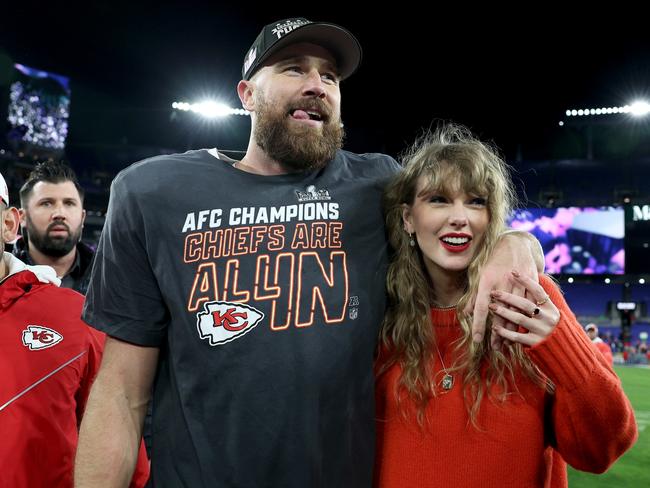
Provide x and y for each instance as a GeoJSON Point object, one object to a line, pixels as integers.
{"type": "Point", "coordinates": [633, 468]}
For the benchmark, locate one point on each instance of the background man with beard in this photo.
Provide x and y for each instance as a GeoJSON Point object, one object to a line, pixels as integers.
{"type": "Point", "coordinates": [251, 290]}
{"type": "Point", "coordinates": [52, 218]}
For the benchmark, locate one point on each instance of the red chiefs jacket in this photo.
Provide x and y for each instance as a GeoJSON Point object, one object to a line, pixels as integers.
{"type": "Point", "coordinates": [48, 359]}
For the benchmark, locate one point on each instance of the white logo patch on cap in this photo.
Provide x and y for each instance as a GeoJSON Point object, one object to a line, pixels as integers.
{"type": "Point", "coordinates": [250, 58]}
{"type": "Point", "coordinates": [286, 27]}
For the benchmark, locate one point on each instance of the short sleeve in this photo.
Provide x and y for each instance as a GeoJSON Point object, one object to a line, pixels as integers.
{"type": "Point", "coordinates": [123, 298]}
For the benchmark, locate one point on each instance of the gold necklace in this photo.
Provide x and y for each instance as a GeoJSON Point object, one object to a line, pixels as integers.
{"type": "Point", "coordinates": [447, 382]}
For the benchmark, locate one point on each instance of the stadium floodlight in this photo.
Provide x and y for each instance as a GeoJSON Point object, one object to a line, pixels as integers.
{"type": "Point", "coordinates": [639, 108]}
{"type": "Point", "coordinates": [209, 109]}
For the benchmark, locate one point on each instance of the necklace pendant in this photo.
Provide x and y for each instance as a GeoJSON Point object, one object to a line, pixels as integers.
{"type": "Point", "coordinates": [447, 382]}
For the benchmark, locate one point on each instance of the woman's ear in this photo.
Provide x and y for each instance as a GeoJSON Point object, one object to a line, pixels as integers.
{"type": "Point", "coordinates": [407, 218]}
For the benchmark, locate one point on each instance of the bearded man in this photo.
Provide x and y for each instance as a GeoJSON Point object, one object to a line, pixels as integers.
{"type": "Point", "coordinates": [51, 219]}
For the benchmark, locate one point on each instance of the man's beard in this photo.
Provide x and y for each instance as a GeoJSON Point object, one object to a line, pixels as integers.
{"type": "Point", "coordinates": [297, 148]}
{"type": "Point", "coordinates": [54, 247]}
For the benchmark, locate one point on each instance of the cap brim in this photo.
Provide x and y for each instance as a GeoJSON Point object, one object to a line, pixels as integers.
{"type": "Point", "coordinates": [341, 43]}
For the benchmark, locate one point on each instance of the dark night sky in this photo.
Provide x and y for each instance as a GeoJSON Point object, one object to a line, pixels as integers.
{"type": "Point", "coordinates": [508, 74]}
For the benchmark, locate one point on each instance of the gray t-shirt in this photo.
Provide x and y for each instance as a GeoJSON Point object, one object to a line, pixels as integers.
{"type": "Point", "coordinates": [265, 295]}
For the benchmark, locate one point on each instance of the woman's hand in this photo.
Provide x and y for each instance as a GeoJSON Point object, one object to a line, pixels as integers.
{"type": "Point", "coordinates": [515, 249]}
{"type": "Point", "coordinates": [536, 313]}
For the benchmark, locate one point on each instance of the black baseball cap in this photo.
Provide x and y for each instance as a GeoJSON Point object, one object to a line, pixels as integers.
{"type": "Point", "coordinates": [339, 41]}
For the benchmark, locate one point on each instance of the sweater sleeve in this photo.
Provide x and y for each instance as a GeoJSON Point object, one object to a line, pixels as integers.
{"type": "Point", "coordinates": [591, 421]}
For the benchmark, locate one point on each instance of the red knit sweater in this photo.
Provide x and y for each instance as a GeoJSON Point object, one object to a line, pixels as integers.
{"type": "Point", "coordinates": [588, 421]}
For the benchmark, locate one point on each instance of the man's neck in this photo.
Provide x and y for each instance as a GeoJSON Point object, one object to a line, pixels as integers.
{"type": "Point", "coordinates": [61, 265]}
{"type": "Point", "coordinates": [258, 162]}
{"type": "Point", "coordinates": [3, 266]}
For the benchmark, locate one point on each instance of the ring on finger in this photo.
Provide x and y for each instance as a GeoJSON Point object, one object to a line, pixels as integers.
{"type": "Point", "coordinates": [541, 302]}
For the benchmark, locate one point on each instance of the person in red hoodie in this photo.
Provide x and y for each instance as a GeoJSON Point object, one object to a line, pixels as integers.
{"type": "Point", "coordinates": [454, 413]}
{"type": "Point", "coordinates": [48, 358]}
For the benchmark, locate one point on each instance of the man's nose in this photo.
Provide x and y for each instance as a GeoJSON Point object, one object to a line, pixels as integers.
{"type": "Point", "coordinates": [314, 85]}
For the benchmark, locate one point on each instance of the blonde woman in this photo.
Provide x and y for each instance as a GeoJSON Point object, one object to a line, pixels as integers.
{"type": "Point", "coordinates": [453, 413]}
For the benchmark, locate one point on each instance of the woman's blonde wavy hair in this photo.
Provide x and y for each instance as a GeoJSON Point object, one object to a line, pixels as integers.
{"type": "Point", "coordinates": [449, 157]}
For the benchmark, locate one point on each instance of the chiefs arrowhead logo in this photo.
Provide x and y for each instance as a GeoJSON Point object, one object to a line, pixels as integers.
{"type": "Point", "coordinates": [222, 322]}
{"type": "Point", "coordinates": [38, 337]}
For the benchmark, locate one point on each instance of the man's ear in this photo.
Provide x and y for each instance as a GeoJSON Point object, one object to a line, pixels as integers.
{"type": "Point", "coordinates": [10, 222]}
{"type": "Point", "coordinates": [22, 216]}
{"type": "Point", "coordinates": [246, 91]}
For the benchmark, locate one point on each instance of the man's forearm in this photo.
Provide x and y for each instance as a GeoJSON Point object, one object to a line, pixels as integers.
{"type": "Point", "coordinates": [111, 429]}
{"type": "Point", "coordinates": [109, 439]}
